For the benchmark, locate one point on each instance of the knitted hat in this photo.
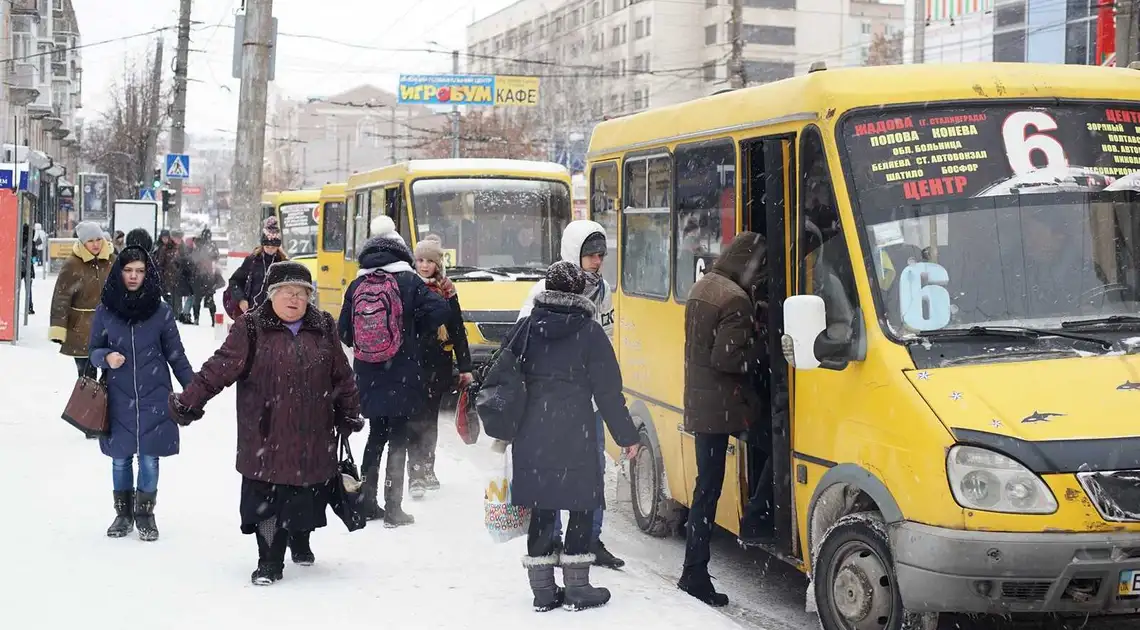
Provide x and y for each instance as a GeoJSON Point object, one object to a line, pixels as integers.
{"type": "Point", "coordinates": [383, 227]}
{"type": "Point", "coordinates": [88, 231]}
{"type": "Point", "coordinates": [566, 277]}
{"type": "Point", "coordinates": [430, 249]}
{"type": "Point", "coordinates": [271, 232]}
{"type": "Point", "coordinates": [594, 244]}
{"type": "Point", "coordinates": [140, 237]}
{"type": "Point", "coordinates": [287, 273]}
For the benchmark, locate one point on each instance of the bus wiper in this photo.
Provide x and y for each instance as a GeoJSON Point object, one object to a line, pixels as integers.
{"type": "Point", "coordinates": [465, 269]}
{"type": "Point", "coordinates": [1015, 332]}
{"type": "Point", "coordinates": [533, 271]}
{"type": "Point", "coordinates": [1077, 324]}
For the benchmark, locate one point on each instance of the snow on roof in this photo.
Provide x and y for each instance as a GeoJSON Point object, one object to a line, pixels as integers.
{"type": "Point", "coordinates": [487, 164]}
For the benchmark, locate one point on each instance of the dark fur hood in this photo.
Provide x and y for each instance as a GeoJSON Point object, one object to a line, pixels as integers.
{"type": "Point", "coordinates": [557, 314]}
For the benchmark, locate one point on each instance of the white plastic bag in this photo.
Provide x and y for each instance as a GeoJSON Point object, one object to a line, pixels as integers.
{"type": "Point", "coordinates": [504, 521]}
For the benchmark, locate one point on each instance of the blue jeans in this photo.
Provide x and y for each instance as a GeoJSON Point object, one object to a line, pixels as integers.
{"type": "Point", "coordinates": [123, 473]}
{"type": "Point", "coordinates": [597, 531]}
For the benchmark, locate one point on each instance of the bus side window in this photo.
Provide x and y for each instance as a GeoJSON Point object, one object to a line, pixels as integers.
{"type": "Point", "coordinates": [350, 228]}
{"type": "Point", "coordinates": [397, 208]}
{"type": "Point", "coordinates": [603, 210]}
{"type": "Point", "coordinates": [706, 199]}
{"type": "Point", "coordinates": [361, 221]}
{"type": "Point", "coordinates": [646, 241]}
{"type": "Point", "coordinates": [333, 215]}
{"type": "Point", "coordinates": [825, 263]}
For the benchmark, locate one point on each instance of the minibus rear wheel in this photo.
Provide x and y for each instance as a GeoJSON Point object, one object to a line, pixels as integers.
{"type": "Point", "coordinates": [854, 579]}
{"type": "Point", "coordinates": [655, 513]}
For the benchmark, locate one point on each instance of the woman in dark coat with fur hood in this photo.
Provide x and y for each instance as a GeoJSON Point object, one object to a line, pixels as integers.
{"type": "Point", "coordinates": [134, 338]}
{"type": "Point", "coordinates": [567, 363]}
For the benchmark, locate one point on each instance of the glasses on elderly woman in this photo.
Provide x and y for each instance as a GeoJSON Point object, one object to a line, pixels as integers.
{"type": "Point", "coordinates": [296, 294]}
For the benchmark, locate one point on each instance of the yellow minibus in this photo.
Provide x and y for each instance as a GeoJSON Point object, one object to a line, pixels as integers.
{"type": "Point", "coordinates": [952, 328]}
{"type": "Point", "coordinates": [500, 222]}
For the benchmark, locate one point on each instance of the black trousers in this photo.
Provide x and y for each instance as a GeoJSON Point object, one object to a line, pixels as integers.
{"type": "Point", "coordinates": [196, 306]}
{"type": "Point", "coordinates": [174, 300]}
{"type": "Point", "coordinates": [393, 432]}
{"type": "Point", "coordinates": [423, 430]}
{"type": "Point", "coordinates": [711, 450]}
{"type": "Point", "coordinates": [540, 537]}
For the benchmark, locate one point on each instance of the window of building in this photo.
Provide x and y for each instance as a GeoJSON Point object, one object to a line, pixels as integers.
{"type": "Point", "coordinates": [706, 199]}
{"type": "Point", "coordinates": [709, 71]}
{"type": "Point", "coordinates": [604, 210]}
{"type": "Point", "coordinates": [615, 69]}
{"type": "Point", "coordinates": [1009, 46]}
{"type": "Point", "coordinates": [769, 35]}
{"type": "Point", "coordinates": [710, 34]}
{"type": "Point", "coordinates": [1077, 9]}
{"type": "Point", "coordinates": [648, 26]}
{"type": "Point", "coordinates": [645, 256]}
{"type": "Point", "coordinates": [637, 100]}
{"type": "Point", "coordinates": [825, 265]}
{"type": "Point", "coordinates": [768, 71]}
{"type": "Point", "coordinates": [615, 36]}
{"type": "Point", "coordinates": [542, 30]}
{"type": "Point", "coordinates": [771, 4]}
{"type": "Point", "coordinates": [1077, 43]}
{"type": "Point", "coordinates": [1009, 15]}
{"type": "Point", "coordinates": [865, 27]}
{"type": "Point", "coordinates": [710, 3]}
{"type": "Point", "coordinates": [638, 29]}
{"type": "Point", "coordinates": [595, 10]}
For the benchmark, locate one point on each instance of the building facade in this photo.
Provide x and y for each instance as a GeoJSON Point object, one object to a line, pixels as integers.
{"type": "Point", "coordinates": [324, 140]}
{"type": "Point", "coordinates": [605, 58]}
{"type": "Point", "coordinates": [42, 94]}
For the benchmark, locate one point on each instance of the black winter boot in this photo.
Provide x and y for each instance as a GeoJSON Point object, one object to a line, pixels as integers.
{"type": "Point", "coordinates": [368, 492]}
{"type": "Point", "coordinates": [580, 595]}
{"type": "Point", "coordinates": [124, 515]}
{"type": "Point", "coordinates": [547, 594]}
{"type": "Point", "coordinates": [395, 516]}
{"type": "Point", "coordinates": [696, 582]}
{"type": "Point", "coordinates": [144, 515]}
{"type": "Point", "coordinates": [603, 557]}
{"type": "Point", "coordinates": [302, 552]}
{"type": "Point", "coordinates": [270, 553]}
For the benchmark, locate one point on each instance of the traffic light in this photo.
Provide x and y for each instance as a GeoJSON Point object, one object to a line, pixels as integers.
{"type": "Point", "coordinates": [157, 179]}
{"type": "Point", "coordinates": [167, 200]}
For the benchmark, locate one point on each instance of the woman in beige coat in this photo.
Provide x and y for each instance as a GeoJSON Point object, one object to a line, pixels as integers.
{"type": "Point", "coordinates": [77, 291]}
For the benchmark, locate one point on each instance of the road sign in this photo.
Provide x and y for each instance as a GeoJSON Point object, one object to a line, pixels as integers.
{"type": "Point", "coordinates": [191, 190]}
{"type": "Point", "coordinates": [147, 194]}
{"type": "Point", "coordinates": [177, 166]}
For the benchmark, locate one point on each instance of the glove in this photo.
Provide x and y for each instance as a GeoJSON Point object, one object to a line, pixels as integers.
{"type": "Point", "coordinates": [182, 414]}
{"type": "Point", "coordinates": [351, 425]}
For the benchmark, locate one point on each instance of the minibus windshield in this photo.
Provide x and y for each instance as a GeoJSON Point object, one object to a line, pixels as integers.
{"type": "Point", "coordinates": [499, 224]}
{"type": "Point", "coordinates": [1005, 215]}
{"type": "Point", "coordinates": [299, 229]}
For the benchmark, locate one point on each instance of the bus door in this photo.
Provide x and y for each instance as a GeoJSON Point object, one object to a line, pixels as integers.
{"type": "Point", "coordinates": [396, 207]}
{"type": "Point", "coordinates": [330, 254]}
{"type": "Point", "coordinates": [356, 235]}
{"type": "Point", "coordinates": [766, 194]}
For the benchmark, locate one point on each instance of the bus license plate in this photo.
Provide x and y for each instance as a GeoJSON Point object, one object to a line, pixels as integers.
{"type": "Point", "coordinates": [1129, 583]}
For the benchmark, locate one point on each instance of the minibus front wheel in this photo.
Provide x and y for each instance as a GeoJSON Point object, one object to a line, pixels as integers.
{"type": "Point", "coordinates": [655, 513]}
{"type": "Point", "coordinates": [854, 579]}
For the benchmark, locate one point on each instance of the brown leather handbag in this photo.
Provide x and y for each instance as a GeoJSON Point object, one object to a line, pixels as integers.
{"type": "Point", "coordinates": [86, 410]}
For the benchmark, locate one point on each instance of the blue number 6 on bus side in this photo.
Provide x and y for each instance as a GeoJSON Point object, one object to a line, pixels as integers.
{"type": "Point", "coordinates": [923, 298]}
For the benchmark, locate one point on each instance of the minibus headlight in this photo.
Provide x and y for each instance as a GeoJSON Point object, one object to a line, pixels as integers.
{"type": "Point", "coordinates": [984, 480]}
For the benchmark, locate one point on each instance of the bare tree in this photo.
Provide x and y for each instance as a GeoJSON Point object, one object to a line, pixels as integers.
{"type": "Point", "coordinates": [282, 168]}
{"type": "Point", "coordinates": [117, 142]}
{"type": "Point", "coordinates": [495, 134]}
{"type": "Point", "coordinates": [885, 50]}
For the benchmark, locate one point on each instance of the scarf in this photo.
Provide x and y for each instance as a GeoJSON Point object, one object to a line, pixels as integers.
{"type": "Point", "coordinates": [441, 286]}
{"type": "Point", "coordinates": [394, 267]}
{"type": "Point", "coordinates": [132, 306]}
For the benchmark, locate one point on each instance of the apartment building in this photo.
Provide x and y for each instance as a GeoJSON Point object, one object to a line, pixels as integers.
{"type": "Point", "coordinates": [869, 21]}
{"type": "Point", "coordinates": [604, 58]}
{"type": "Point", "coordinates": [43, 92]}
{"type": "Point", "coordinates": [321, 140]}
{"type": "Point", "coordinates": [1039, 31]}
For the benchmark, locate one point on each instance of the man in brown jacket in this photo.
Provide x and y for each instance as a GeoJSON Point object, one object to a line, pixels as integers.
{"type": "Point", "coordinates": [721, 348]}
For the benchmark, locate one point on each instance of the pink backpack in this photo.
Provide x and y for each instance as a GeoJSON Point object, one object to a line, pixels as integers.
{"type": "Point", "coordinates": [377, 318]}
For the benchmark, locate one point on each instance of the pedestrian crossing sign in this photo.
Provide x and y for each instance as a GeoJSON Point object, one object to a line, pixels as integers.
{"type": "Point", "coordinates": [147, 194]}
{"type": "Point", "coordinates": [177, 166]}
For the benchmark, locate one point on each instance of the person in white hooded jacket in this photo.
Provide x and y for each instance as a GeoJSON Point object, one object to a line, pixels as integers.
{"type": "Point", "coordinates": [584, 244]}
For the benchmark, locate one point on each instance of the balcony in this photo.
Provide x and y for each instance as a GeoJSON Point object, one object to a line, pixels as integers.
{"type": "Point", "coordinates": [25, 7]}
{"type": "Point", "coordinates": [22, 84]}
{"type": "Point", "coordinates": [41, 106]}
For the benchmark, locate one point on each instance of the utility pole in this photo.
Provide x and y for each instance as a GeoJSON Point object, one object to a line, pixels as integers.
{"type": "Point", "coordinates": [1127, 32]}
{"type": "Point", "coordinates": [392, 135]}
{"type": "Point", "coordinates": [249, 149]}
{"type": "Point", "coordinates": [736, 59]}
{"type": "Point", "coordinates": [455, 109]}
{"type": "Point", "coordinates": [152, 133]}
{"type": "Point", "coordinates": [919, 31]}
{"type": "Point", "coordinates": [178, 122]}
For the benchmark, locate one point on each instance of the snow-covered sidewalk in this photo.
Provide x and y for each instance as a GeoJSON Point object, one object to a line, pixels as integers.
{"type": "Point", "coordinates": [61, 571]}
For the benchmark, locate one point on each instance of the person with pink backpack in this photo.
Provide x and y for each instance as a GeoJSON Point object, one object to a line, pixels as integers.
{"type": "Point", "coordinates": [386, 310]}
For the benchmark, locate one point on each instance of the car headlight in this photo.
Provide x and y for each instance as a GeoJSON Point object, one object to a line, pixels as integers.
{"type": "Point", "coordinates": [984, 480]}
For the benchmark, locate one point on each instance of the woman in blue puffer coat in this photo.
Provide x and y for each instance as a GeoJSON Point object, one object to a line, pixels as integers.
{"type": "Point", "coordinates": [133, 338]}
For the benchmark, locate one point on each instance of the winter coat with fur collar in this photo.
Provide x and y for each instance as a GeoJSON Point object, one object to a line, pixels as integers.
{"type": "Point", "coordinates": [77, 291]}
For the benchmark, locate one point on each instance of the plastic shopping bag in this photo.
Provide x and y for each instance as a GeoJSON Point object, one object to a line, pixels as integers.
{"type": "Point", "coordinates": [504, 521]}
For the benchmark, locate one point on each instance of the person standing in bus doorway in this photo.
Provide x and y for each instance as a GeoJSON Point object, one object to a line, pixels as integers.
{"type": "Point", "coordinates": [387, 310]}
{"type": "Point", "coordinates": [584, 244]}
{"type": "Point", "coordinates": [720, 399]}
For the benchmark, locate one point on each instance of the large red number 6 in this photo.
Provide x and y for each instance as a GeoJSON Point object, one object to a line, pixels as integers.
{"type": "Point", "coordinates": [1019, 145]}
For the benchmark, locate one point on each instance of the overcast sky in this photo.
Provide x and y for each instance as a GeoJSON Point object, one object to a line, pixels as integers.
{"type": "Point", "coordinates": [305, 66]}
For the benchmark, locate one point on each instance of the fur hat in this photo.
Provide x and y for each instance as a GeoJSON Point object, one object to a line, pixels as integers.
{"type": "Point", "coordinates": [383, 227]}
{"type": "Point", "coordinates": [287, 273]}
{"type": "Point", "coordinates": [566, 277]}
{"type": "Point", "coordinates": [430, 249]}
{"type": "Point", "coordinates": [271, 232]}
{"type": "Point", "coordinates": [88, 231]}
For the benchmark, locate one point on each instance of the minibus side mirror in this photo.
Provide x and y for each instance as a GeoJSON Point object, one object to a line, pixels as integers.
{"type": "Point", "coordinates": [805, 319]}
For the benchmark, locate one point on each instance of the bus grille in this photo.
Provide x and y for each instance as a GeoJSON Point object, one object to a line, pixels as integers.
{"type": "Point", "coordinates": [1116, 494]}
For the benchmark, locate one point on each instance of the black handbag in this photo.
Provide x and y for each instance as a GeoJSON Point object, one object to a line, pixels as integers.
{"type": "Point", "coordinates": [346, 492]}
{"type": "Point", "coordinates": [501, 398]}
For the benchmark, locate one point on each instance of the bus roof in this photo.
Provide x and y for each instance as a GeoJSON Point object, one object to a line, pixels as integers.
{"type": "Point", "coordinates": [311, 195]}
{"type": "Point", "coordinates": [829, 93]}
{"type": "Point", "coordinates": [459, 167]}
{"type": "Point", "coordinates": [333, 191]}
{"type": "Point", "coordinates": [269, 197]}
